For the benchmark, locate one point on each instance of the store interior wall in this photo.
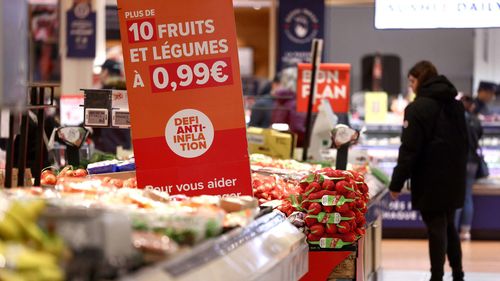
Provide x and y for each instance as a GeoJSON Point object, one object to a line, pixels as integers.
{"type": "Point", "coordinates": [78, 73]}
{"type": "Point", "coordinates": [487, 55]}
{"type": "Point", "coordinates": [252, 26]}
{"type": "Point", "coordinates": [350, 34]}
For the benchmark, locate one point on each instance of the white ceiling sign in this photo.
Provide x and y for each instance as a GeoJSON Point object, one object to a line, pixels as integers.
{"type": "Point", "coordinates": [421, 14]}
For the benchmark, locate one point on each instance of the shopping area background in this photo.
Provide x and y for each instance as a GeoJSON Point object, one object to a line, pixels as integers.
{"type": "Point", "coordinates": [379, 61]}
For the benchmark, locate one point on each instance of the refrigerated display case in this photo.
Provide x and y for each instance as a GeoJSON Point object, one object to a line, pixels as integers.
{"type": "Point", "coordinates": [381, 144]}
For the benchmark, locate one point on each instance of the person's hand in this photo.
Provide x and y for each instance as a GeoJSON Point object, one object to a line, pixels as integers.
{"type": "Point", "coordinates": [394, 195]}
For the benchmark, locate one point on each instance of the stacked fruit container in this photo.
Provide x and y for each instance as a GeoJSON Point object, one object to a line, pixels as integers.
{"type": "Point", "coordinates": [332, 205]}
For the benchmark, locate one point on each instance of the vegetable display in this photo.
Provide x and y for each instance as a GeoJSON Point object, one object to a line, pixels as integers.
{"type": "Point", "coordinates": [273, 187]}
{"type": "Point", "coordinates": [335, 204]}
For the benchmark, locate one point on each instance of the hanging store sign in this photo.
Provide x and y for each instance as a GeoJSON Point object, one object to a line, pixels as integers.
{"type": "Point", "coordinates": [418, 14]}
{"type": "Point", "coordinates": [300, 21]}
{"type": "Point", "coordinates": [185, 98]}
{"type": "Point", "coordinates": [81, 31]}
{"type": "Point", "coordinates": [333, 84]}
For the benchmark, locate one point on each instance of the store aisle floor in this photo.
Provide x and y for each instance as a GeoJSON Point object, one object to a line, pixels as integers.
{"type": "Point", "coordinates": [399, 275]}
{"type": "Point", "coordinates": [408, 260]}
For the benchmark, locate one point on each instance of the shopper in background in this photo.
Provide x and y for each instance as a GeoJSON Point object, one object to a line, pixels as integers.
{"type": "Point", "coordinates": [263, 106]}
{"type": "Point", "coordinates": [433, 155]}
{"type": "Point", "coordinates": [108, 139]}
{"type": "Point", "coordinates": [475, 131]}
{"type": "Point", "coordinates": [485, 95]}
{"type": "Point", "coordinates": [111, 76]}
{"type": "Point", "coordinates": [285, 105]}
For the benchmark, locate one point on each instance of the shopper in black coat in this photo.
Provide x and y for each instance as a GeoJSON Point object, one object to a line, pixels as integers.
{"type": "Point", "coordinates": [433, 155]}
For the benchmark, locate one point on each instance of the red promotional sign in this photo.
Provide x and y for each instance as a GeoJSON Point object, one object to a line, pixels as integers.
{"type": "Point", "coordinates": [185, 98]}
{"type": "Point", "coordinates": [333, 83]}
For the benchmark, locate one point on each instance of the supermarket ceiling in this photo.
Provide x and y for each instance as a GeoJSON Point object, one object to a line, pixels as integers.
{"type": "Point", "coordinates": [267, 3]}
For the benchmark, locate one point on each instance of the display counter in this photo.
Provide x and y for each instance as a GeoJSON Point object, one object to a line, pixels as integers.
{"type": "Point", "coordinates": [268, 249]}
{"type": "Point", "coordinates": [381, 144]}
{"type": "Point", "coordinates": [361, 261]}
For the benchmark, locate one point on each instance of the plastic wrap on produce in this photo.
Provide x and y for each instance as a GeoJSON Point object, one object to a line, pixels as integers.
{"type": "Point", "coordinates": [268, 249]}
{"type": "Point", "coordinates": [261, 162]}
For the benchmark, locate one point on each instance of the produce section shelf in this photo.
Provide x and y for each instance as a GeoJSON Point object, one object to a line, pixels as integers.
{"type": "Point", "coordinates": [270, 248]}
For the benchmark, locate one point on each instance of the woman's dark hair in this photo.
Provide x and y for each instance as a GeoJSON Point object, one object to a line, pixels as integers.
{"type": "Point", "coordinates": [423, 71]}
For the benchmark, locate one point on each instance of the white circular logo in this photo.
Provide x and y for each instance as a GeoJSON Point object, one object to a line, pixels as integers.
{"type": "Point", "coordinates": [301, 26]}
{"type": "Point", "coordinates": [189, 133]}
{"type": "Point", "coordinates": [82, 10]}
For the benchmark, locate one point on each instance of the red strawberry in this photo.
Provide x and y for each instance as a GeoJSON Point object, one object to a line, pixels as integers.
{"type": "Point", "coordinates": [351, 195]}
{"type": "Point", "coordinates": [328, 185]}
{"type": "Point", "coordinates": [313, 187]}
{"type": "Point", "coordinates": [364, 188]}
{"type": "Point", "coordinates": [360, 204]}
{"type": "Point", "coordinates": [361, 222]}
{"type": "Point", "coordinates": [317, 230]}
{"type": "Point", "coordinates": [342, 208]}
{"type": "Point", "coordinates": [331, 228]}
{"type": "Point", "coordinates": [351, 205]}
{"type": "Point", "coordinates": [338, 173]}
{"type": "Point", "coordinates": [327, 170]}
{"type": "Point", "coordinates": [339, 187]}
{"type": "Point", "coordinates": [304, 184]}
{"type": "Point", "coordinates": [306, 205]}
{"type": "Point", "coordinates": [348, 237]}
{"type": "Point", "coordinates": [328, 209]}
{"type": "Point", "coordinates": [314, 208]}
{"type": "Point", "coordinates": [343, 227]}
{"type": "Point", "coordinates": [360, 231]}
{"type": "Point", "coordinates": [311, 221]}
{"type": "Point", "coordinates": [348, 214]}
{"type": "Point", "coordinates": [313, 238]}
{"type": "Point", "coordinates": [353, 224]}
{"type": "Point", "coordinates": [348, 174]}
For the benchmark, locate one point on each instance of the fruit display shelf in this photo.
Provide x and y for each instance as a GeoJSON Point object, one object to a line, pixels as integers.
{"type": "Point", "coordinates": [268, 249]}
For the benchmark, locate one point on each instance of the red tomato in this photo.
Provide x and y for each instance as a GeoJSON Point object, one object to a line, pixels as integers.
{"type": "Point", "coordinates": [50, 179]}
{"type": "Point", "coordinates": [133, 181]}
{"type": "Point", "coordinates": [45, 173]}
{"type": "Point", "coordinates": [106, 180]}
{"type": "Point", "coordinates": [116, 182]}
{"type": "Point", "coordinates": [80, 173]}
{"type": "Point", "coordinates": [275, 194]}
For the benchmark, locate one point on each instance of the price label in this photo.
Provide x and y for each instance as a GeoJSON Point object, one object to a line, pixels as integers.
{"type": "Point", "coordinates": [96, 117]}
{"type": "Point", "coordinates": [191, 75]}
{"type": "Point", "coordinates": [328, 243]}
{"type": "Point", "coordinates": [121, 119]}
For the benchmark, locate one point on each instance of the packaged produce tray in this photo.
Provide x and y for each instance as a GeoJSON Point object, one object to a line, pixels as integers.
{"type": "Point", "coordinates": [270, 248]}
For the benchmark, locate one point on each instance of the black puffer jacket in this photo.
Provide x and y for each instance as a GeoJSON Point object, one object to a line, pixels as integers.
{"type": "Point", "coordinates": [433, 152]}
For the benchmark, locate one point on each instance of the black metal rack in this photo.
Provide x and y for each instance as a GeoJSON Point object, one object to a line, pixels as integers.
{"type": "Point", "coordinates": [38, 92]}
